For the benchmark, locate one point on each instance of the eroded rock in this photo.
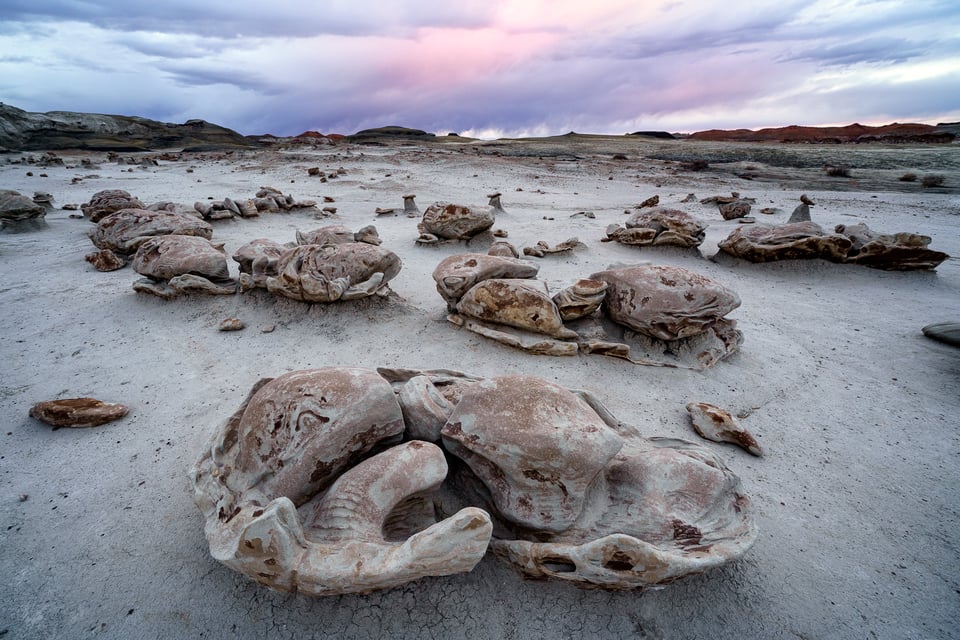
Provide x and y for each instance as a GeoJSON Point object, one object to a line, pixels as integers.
{"type": "Point", "coordinates": [714, 423]}
{"type": "Point", "coordinates": [454, 222]}
{"type": "Point", "coordinates": [259, 259]}
{"type": "Point", "coordinates": [457, 274]}
{"type": "Point", "coordinates": [668, 303]}
{"type": "Point", "coordinates": [315, 273]}
{"type": "Point", "coordinates": [792, 241]}
{"type": "Point", "coordinates": [182, 264]}
{"type": "Point", "coordinates": [891, 252]}
{"type": "Point", "coordinates": [103, 203]}
{"type": "Point", "coordinates": [659, 227]}
{"type": "Point", "coordinates": [77, 412]}
{"type": "Point", "coordinates": [124, 231]}
{"type": "Point", "coordinates": [305, 488]}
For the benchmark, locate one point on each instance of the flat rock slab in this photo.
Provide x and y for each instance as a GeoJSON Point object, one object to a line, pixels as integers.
{"type": "Point", "coordinates": [77, 412]}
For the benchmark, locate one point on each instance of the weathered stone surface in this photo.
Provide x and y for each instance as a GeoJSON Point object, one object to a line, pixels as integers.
{"type": "Point", "coordinates": [521, 303]}
{"type": "Point", "coordinates": [714, 423]}
{"type": "Point", "coordinates": [314, 273]}
{"type": "Point", "coordinates": [20, 214]}
{"type": "Point", "coordinates": [664, 509]}
{"type": "Point", "coordinates": [800, 214]}
{"type": "Point", "coordinates": [796, 241]}
{"type": "Point", "coordinates": [125, 230]}
{"type": "Point", "coordinates": [892, 252]}
{"type": "Point", "coordinates": [296, 496]}
{"type": "Point", "coordinates": [503, 248]}
{"type": "Point", "coordinates": [108, 201]}
{"type": "Point", "coordinates": [166, 257]}
{"type": "Point", "coordinates": [232, 324]}
{"type": "Point", "coordinates": [77, 412]}
{"type": "Point", "coordinates": [541, 249]}
{"type": "Point", "coordinates": [946, 332]}
{"type": "Point", "coordinates": [535, 445]}
{"type": "Point", "coordinates": [456, 222]}
{"type": "Point", "coordinates": [105, 260]}
{"type": "Point", "coordinates": [659, 227]}
{"type": "Point", "coordinates": [259, 259]}
{"type": "Point", "coordinates": [293, 443]}
{"type": "Point", "coordinates": [338, 234]}
{"type": "Point", "coordinates": [455, 275]}
{"type": "Point", "coordinates": [734, 210]}
{"type": "Point", "coordinates": [580, 299]}
{"type": "Point", "coordinates": [668, 303]}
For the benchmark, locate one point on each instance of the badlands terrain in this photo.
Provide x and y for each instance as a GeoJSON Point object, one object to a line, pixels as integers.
{"type": "Point", "coordinates": [856, 495]}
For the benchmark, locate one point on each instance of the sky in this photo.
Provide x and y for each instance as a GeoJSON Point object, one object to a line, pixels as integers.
{"type": "Point", "coordinates": [486, 68]}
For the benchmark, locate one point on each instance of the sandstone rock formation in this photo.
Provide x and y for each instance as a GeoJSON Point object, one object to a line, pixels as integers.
{"type": "Point", "coordinates": [327, 273]}
{"type": "Point", "coordinates": [792, 241]}
{"type": "Point", "coordinates": [855, 244]}
{"type": "Point", "coordinates": [658, 227]}
{"type": "Point", "coordinates": [124, 231]}
{"type": "Point", "coordinates": [891, 252]}
{"type": "Point", "coordinates": [338, 234]}
{"type": "Point", "coordinates": [177, 264]}
{"type": "Point", "coordinates": [443, 221]}
{"type": "Point", "coordinates": [77, 412]}
{"type": "Point", "coordinates": [667, 315]}
{"type": "Point", "coordinates": [259, 259]}
{"type": "Point", "coordinates": [457, 274]}
{"type": "Point", "coordinates": [19, 213]}
{"type": "Point", "coordinates": [319, 484]}
{"type": "Point", "coordinates": [668, 303]}
{"type": "Point", "coordinates": [714, 423]}
{"type": "Point", "coordinates": [541, 249]}
{"type": "Point", "coordinates": [108, 201]}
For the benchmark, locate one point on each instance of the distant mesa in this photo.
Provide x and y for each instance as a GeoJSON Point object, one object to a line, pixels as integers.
{"type": "Point", "coordinates": [896, 133]}
{"type": "Point", "coordinates": [389, 133]}
{"type": "Point", "coordinates": [25, 131]}
{"type": "Point", "coordinates": [664, 135]}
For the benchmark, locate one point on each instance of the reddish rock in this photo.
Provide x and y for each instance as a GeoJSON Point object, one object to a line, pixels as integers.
{"type": "Point", "coordinates": [77, 412]}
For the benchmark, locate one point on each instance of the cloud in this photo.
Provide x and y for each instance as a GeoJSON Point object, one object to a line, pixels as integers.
{"type": "Point", "coordinates": [239, 18]}
{"type": "Point", "coordinates": [512, 66]}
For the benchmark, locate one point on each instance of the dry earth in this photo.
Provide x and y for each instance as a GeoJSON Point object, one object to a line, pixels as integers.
{"type": "Point", "coordinates": [856, 497]}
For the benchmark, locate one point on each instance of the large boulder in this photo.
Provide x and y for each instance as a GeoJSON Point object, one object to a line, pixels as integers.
{"type": "Point", "coordinates": [18, 212]}
{"type": "Point", "coordinates": [792, 241]}
{"type": "Point", "coordinates": [457, 274]}
{"type": "Point", "coordinates": [315, 273]}
{"type": "Point", "coordinates": [455, 221]}
{"type": "Point", "coordinates": [663, 302]}
{"type": "Point", "coordinates": [659, 226]}
{"type": "Point", "coordinates": [124, 231]}
{"type": "Point", "coordinates": [108, 201]}
{"type": "Point", "coordinates": [892, 252]}
{"type": "Point", "coordinates": [166, 257]}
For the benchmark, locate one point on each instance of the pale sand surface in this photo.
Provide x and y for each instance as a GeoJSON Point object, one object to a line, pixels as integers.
{"type": "Point", "coordinates": [856, 498]}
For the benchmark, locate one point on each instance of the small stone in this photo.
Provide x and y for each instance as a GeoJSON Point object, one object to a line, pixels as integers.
{"type": "Point", "coordinates": [652, 201]}
{"type": "Point", "coordinates": [714, 423]}
{"type": "Point", "coordinates": [77, 412]}
{"type": "Point", "coordinates": [268, 329]}
{"type": "Point", "coordinates": [232, 324]}
{"type": "Point", "coordinates": [24, 497]}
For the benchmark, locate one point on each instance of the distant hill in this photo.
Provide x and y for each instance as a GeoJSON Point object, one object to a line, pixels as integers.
{"type": "Point", "coordinates": [390, 133]}
{"type": "Point", "coordinates": [25, 131]}
{"type": "Point", "coordinates": [856, 133]}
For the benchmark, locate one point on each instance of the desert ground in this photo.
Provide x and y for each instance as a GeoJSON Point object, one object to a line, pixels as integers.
{"type": "Point", "coordinates": [856, 497]}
